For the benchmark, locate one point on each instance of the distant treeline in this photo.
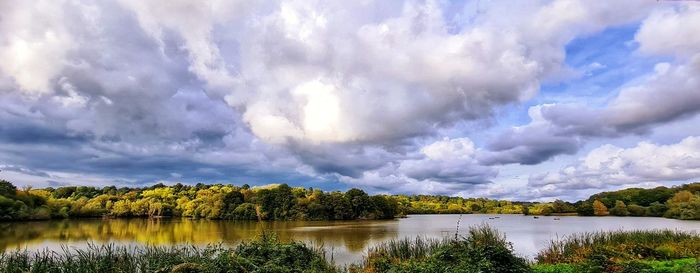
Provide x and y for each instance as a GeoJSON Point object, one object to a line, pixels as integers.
{"type": "Point", "coordinates": [273, 202]}
{"type": "Point", "coordinates": [281, 202]}
{"type": "Point", "coordinates": [680, 202]}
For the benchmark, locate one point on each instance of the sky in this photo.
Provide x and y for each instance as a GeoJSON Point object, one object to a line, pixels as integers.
{"type": "Point", "coordinates": [517, 100]}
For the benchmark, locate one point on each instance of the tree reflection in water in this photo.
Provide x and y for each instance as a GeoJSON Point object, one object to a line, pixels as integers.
{"type": "Point", "coordinates": [351, 236]}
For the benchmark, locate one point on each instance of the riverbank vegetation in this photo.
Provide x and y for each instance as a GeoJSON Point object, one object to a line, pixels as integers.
{"type": "Point", "coordinates": [281, 202]}
{"type": "Point", "coordinates": [622, 251]}
{"type": "Point", "coordinates": [680, 202]}
{"type": "Point", "coordinates": [265, 254]}
{"type": "Point", "coordinates": [482, 249]}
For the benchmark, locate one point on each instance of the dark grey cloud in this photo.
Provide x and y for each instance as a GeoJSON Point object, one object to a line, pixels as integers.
{"type": "Point", "coordinates": [345, 160]}
{"type": "Point", "coordinates": [528, 146]}
{"type": "Point", "coordinates": [448, 172]}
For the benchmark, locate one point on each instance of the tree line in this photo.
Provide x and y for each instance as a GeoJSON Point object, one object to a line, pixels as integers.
{"type": "Point", "coordinates": [679, 202]}
{"type": "Point", "coordinates": [273, 202]}
{"type": "Point", "coordinates": [282, 202]}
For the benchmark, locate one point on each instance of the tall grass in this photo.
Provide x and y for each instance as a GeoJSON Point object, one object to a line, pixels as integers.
{"type": "Point", "coordinates": [265, 254]}
{"type": "Point", "coordinates": [483, 249]}
{"type": "Point", "coordinates": [622, 245]}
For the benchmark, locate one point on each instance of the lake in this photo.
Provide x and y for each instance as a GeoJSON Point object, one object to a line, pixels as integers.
{"type": "Point", "coordinates": [346, 241]}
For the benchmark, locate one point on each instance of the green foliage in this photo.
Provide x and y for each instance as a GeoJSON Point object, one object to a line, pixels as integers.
{"type": "Point", "coordinates": [684, 205]}
{"type": "Point", "coordinates": [635, 266]}
{"type": "Point", "coordinates": [359, 202]}
{"type": "Point", "coordinates": [272, 202]}
{"type": "Point", "coordinates": [260, 256]}
{"type": "Point", "coordinates": [281, 202]}
{"type": "Point", "coordinates": [636, 210]}
{"type": "Point", "coordinates": [585, 208]}
{"type": "Point", "coordinates": [622, 245]}
{"type": "Point", "coordinates": [620, 209]}
{"type": "Point", "coordinates": [681, 202]}
{"type": "Point", "coordinates": [245, 211]}
{"type": "Point", "coordinates": [483, 250]}
{"type": "Point", "coordinates": [267, 254]}
{"type": "Point", "coordinates": [622, 252]}
{"type": "Point", "coordinates": [656, 209]}
{"type": "Point", "coordinates": [556, 268]}
{"type": "Point", "coordinates": [7, 189]}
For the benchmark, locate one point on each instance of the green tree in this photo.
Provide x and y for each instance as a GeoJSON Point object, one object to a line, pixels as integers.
{"type": "Point", "coordinates": [384, 208]}
{"type": "Point", "coordinates": [620, 209]}
{"type": "Point", "coordinates": [585, 208]}
{"type": "Point", "coordinates": [276, 203]}
{"type": "Point", "coordinates": [656, 209]}
{"type": "Point", "coordinates": [684, 205]}
{"type": "Point", "coordinates": [636, 210]}
{"type": "Point", "coordinates": [7, 189]}
{"type": "Point", "coordinates": [359, 200]}
{"type": "Point", "coordinates": [560, 206]}
{"type": "Point", "coordinates": [245, 211]}
{"type": "Point", "coordinates": [231, 201]}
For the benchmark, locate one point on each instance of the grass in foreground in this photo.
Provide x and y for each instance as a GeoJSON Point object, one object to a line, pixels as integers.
{"type": "Point", "coordinates": [638, 266]}
{"type": "Point", "coordinates": [266, 254]}
{"type": "Point", "coordinates": [622, 251]}
{"type": "Point", "coordinates": [622, 245]}
{"type": "Point", "coordinates": [482, 250]}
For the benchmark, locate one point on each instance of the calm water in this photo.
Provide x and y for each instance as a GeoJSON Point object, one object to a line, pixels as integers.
{"type": "Point", "coordinates": [346, 240]}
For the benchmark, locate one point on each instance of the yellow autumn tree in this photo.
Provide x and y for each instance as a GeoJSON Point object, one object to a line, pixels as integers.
{"type": "Point", "coordinates": [599, 209]}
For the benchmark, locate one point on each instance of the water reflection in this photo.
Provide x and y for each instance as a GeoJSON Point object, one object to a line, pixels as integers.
{"type": "Point", "coordinates": [353, 236]}
{"type": "Point", "coordinates": [346, 241]}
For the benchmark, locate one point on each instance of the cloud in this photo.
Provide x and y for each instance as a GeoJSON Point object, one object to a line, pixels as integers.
{"type": "Point", "coordinates": [530, 144]}
{"type": "Point", "coordinates": [671, 31]}
{"type": "Point", "coordinates": [358, 92]}
{"type": "Point", "coordinates": [34, 43]}
{"type": "Point", "coordinates": [611, 165]}
{"type": "Point", "coordinates": [444, 166]}
{"type": "Point", "coordinates": [310, 67]}
{"type": "Point", "coordinates": [669, 93]}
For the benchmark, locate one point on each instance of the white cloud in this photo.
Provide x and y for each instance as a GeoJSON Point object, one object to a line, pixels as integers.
{"type": "Point", "coordinates": [671, 31]}
{"type": "Point", "coordinates": [34, 43]}
{"type": "Point", "coordinates": [611, 165]}
{"type": "Point", "coordinates": [450, 149]}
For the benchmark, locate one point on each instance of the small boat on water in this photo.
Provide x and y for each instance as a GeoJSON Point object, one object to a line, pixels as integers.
{"type": "Point", "coordinates": [536, 217]}
{"type": "Point", "coordinates": [557, 218]}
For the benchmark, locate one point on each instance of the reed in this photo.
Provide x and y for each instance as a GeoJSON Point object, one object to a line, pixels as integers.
{"type": "Point", "coordinates": [266, 254]}
{"type": "Point", "coordinates": [483, 249]}
{"type": "Point", "coordinates": [622, 245]}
